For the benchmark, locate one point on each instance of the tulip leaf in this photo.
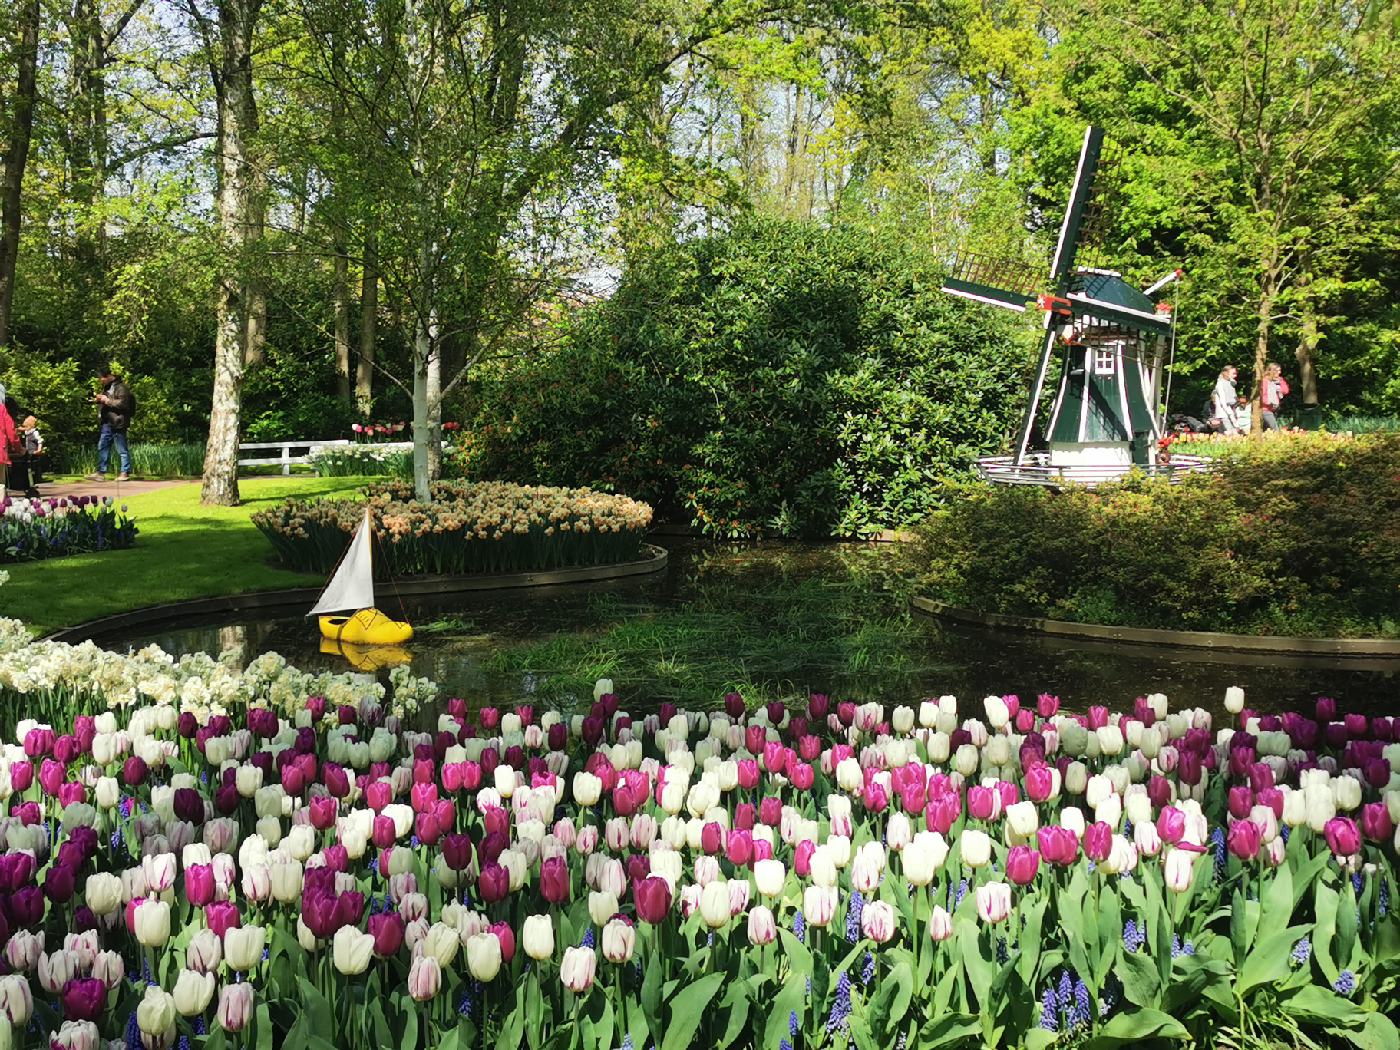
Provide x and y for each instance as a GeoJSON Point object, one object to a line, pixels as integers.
{"type": "Point", "coordinates": [1314, 1003]}
{"type": "Point", "coordinates": [1378, 1033]}
{"type": "Point", "coordinates": [263, 1024]}
{"type": "Point", "coordinates": [1135, 1026]}
{"type": "Point", "coordinates": [1278, 898]}
{"type": "Point", "coordinates": [513, 1030]}
{"type": "Point", "coordinates": [1141, 982]}
{"type": "Point", "coordinates": [737, 1003]}
{"type": "Point", "coordinates": [1267, 961]}
{"type": "Point", "coordinates": [534, 1010]}
{"type": "Point", "coordinates": [948, 1030]}
{"type": "Point", "coordinates": [1346, 925]}
{"type": "Point", "coordinates": [318, 1011]}
{"type": "Point", "coordinates": [861, 1035]}
{"type": "Point", "coordinates": [798, 955]}
{"type": "Point", "coordinates": [787, 1002]}
{"type": "Point", "coordinates": [1325, 929]}
{"type": "Point", "coordinates": [1110, 935]}
{"type": "Point", "coordinates": [902, 976]}
{"type": "Point", "coordinates": [1028, 940]}
{"type": "Point", "coordinates": [688, 1009]}
{"type": "Point", "coordinates": [216, 1040]}
{"type": "Point", "coordinates": [651, 993]}
{"type": "Point", "coordinates": [980, 969]}
{"type": "Point", "coordinates": [410, 1028]}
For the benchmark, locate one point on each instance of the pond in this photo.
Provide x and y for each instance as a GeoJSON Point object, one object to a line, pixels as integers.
{"type": "Point", "coordinates": [771, 621]}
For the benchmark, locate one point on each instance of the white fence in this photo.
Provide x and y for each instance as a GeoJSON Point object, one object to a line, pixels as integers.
{"type": "Point", "coordinates": [285, 457]}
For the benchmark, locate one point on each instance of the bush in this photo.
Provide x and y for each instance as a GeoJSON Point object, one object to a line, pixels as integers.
{"type": "Point", "coordinates": [32, 530]}
{"type": "Point", "coordinates": [1288, 537]}
{"type": "Point", "coordinates": [782, 377]}
{"type": "Point", "coordinates": [468, 527]}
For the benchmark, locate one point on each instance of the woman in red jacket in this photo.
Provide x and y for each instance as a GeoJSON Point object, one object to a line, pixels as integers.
{"type": "Point", "coordinates": [9, 438]}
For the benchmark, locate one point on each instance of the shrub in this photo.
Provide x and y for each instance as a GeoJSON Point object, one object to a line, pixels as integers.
{"type": "Point", "coordinates": [468, 527]}
{"type": "Point", "coordinates": [1294, 537]}
{"type": "Point", "coordinates": [35, 529]}
{"type": "Point", "coordinates": [782, 377]}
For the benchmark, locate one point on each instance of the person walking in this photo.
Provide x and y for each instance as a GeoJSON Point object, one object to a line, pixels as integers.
{"type": "Point", "coordinates": [1271, 394]}
{"type": "Point", "coordinates": [33, 443]}
{"type": "Point", "coordinates": [1223, 401]}
{"type": "Point", "coordinates": [117, 406]}
{"type": "Point", "coordinates": [9, 438]}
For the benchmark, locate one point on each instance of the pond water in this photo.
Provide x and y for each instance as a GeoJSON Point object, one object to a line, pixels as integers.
{"type": "Point", "coordinates": [772, 622]}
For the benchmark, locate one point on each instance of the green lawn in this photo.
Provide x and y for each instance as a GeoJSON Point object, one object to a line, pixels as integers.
{"type": "Point", "coordinates": [183, 550]}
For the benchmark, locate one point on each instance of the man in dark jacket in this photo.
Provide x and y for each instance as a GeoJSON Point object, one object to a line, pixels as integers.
{"type": "Point", "coordinates": [116, 405]}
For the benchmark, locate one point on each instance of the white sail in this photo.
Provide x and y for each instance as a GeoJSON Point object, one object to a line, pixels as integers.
{"type": "Point", "coordinates": [352, 586]}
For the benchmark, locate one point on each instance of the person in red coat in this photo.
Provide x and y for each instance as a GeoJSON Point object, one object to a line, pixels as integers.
{"type": "Point", "coordinates": [9, 439]}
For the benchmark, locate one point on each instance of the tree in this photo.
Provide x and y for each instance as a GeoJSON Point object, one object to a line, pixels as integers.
{"type": "Point", "coordinates": [1275, 122]}
{"type": "Point", "coordinates": [18, 112]}
{"type": "Point", "coordinates": [240, 205]}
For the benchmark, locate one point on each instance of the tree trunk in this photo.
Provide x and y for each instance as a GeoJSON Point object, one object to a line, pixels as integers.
{"type": "Point", "coordinates": [369, 323]}
{"type": "Point", "coordinates": [239, 316]}
{"type": "Point", "coordinates": [1309, 337]}
{"type": "Point", "coordinates": [342, 321]}
{"type": "Point", "coordinates": [87, 140]}
{"type": "Point", "coordinates": [422, 423]}
{"type": "Point", "coordinates": [1264, 326]}
{"type": "Point", "coordinates": [16, 158]}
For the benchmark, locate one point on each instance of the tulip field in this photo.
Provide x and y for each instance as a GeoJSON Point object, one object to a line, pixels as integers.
{"type": "Point", "coordinates": [200, 857]}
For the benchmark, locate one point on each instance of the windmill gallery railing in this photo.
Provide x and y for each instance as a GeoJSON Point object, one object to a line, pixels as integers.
{"type": "Point", "coordinates": [1036, 469]}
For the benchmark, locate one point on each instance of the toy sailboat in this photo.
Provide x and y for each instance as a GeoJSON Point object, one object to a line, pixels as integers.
{"type": "Point", "coordinates": [346, 612]}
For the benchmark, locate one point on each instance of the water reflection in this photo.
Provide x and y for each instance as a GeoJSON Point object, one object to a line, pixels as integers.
{"type": "Point", "coordinates": [774, 621]}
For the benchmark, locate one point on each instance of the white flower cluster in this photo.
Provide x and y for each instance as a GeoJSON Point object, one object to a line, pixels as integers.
{"type": "Point", "coordinates": [196, 682]}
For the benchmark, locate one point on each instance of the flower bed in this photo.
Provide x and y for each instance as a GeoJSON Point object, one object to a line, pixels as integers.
{"type": "Point", "coordinates": [366, 460]}
{"type": "Point", "coordinates": [468, 527]}
{"type": "Point", "coordinates": [265, 857]}
{"type": "Point", "coordinates": [32, 529]}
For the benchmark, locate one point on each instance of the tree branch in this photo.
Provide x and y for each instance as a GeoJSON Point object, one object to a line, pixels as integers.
{"type": "Point", "coordinates": [159, 146]}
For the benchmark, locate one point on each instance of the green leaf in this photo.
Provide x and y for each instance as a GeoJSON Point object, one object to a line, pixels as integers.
{"type": "Point", "coordinates": [736, 1001]}
{"type": "Point", "coordinates": [687, 1008]}
{"type": "Point", "coordinates": [1136, 1026]}
{"type": "Point", "coordinates": [1325, 930]}
{"type": "Point", "coordinates": [981, 970]}
{"type": "Point", "coordinates": [788, 1000]}
{"type": "Point", "coordinates": [1267, 962]}
{"type": "Point", "coordinates": [947, 1030]}
{"type": "Point", "coordinates": [1314, 1003]}
{"type": "Point", "coordinates": [264, 1026]}
{"type": "Point", "coordinates": [1028, 940]}
{"type": "Point", "coordinates": [1142, 984]}
{"type": "Point", "coordinates": [1346, 925]}
{"type": "Point", "coordinates": [651, 995]}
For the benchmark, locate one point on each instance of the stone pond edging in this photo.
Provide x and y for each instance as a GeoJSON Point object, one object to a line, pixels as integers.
{"type": "Point", "coordinates": [1384, 650]}
{"type": "Point", "coordinates": [654, 559]}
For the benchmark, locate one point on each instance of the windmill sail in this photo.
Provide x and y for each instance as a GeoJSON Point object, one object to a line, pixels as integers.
{"type": "Point", "coordinates": [352, 586]}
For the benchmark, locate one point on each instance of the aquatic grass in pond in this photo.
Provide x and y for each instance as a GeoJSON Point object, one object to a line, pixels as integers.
{"type": "Point", "coordinates": [777, 639]}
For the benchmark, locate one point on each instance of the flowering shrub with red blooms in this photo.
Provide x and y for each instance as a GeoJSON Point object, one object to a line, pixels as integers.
{"type": "Point", "coordinates": [225, 857]}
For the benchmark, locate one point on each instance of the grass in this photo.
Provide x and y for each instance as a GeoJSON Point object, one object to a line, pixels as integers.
{"type": "Point", "coordinates": [183, 550]}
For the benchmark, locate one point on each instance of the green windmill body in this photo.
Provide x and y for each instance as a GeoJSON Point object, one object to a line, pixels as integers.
{"type": "Point", "coordinates": [1110, 338]}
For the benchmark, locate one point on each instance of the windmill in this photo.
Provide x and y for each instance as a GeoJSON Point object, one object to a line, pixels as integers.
{"type": "Point", "coordinates": [1111, 337]}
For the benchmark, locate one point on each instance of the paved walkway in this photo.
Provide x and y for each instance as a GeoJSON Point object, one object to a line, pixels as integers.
{"type": "Point", "coordinates": [115, 489]}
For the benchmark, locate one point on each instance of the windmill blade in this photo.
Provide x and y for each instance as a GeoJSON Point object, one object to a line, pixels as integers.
{"type": "Point", "coordinates": [1023, 438]}
{"type": "Point", "coordinates": [1004, 281]}
{"type": "Point", "coordinates": [1068, 245]}
{"type": "Point", "coordinates": [983, 294]}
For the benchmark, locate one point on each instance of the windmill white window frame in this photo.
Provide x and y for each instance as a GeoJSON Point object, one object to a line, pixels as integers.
{"type": "Point", "coordinates": [1106, 359]}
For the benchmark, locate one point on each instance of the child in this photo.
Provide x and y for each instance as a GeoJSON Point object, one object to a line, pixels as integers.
{"type": "Point", "coordinates": [33, 448]}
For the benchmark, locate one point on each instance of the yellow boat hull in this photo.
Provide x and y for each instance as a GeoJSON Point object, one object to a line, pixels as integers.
{"type": "Point", "coordinates": [368, 658]}
{"type": "Point", "coordinates": [366, 627]}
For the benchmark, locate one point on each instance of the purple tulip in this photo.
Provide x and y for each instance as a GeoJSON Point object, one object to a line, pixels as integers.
{"type": "Point", "coordinates": [84, 999]}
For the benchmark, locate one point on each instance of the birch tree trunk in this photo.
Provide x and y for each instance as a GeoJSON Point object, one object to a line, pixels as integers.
{"type": "Point", "coordinates": [238, 311]}
{"type": "Point", "coordinates": [21, 121]}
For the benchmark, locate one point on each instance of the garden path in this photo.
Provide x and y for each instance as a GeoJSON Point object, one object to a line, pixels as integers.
{"type": "Point", "coordinates": [115, 489]}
